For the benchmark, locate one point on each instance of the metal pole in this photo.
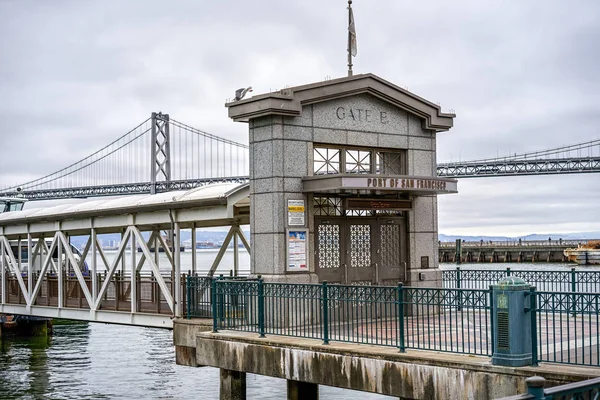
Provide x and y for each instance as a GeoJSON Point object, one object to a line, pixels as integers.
{"type": "Point", "coordinates": [573, 291]}
{"type": "Point", "coordinates": [194, 249]}
{"type": "Point", "coordinates": [236, 258]}
{"type": "Point", "coordinates": [177, 261]}
{"type": "Point", "coordinates": [61, 299]}
{"type": "Point", "coordinates": [19, 257]}
{"type": "Point", "coordinates": [156, 253]}
{"type": "Point", "coordinates": [3, 270]}
{"type": "Point", "coordinates": [29, 263]}
{"type": "Point", "coordinates": [534, 336]}
{"type": "Point", "coordinates": [400, 295]}
{"type": "Point", "coordinates": [188, 310]}
{"type": "Point", "coordinates": [349, 39]}
{"type": "Point", "coordinates": [94, 275]}
{"type": "Point", "coordinates": [261, 307]}
{"type": "Point", "coordinates": [133, 276]}
{"type": "Point", "coordinates": [492, 317]}
{"type": "Point", "coordinates": [325, 313]}
{"type": "Point", "coordinates": [213, 296]}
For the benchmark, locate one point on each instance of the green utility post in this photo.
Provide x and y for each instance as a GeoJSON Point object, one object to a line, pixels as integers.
{"type": "Point", "coordinates": [512, 310]}
{"type": "Point", "coordinates": [458, 251]}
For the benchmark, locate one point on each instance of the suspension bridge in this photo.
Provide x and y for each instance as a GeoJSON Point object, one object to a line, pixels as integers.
{"type": "Point", "coordinates": [162, 154]}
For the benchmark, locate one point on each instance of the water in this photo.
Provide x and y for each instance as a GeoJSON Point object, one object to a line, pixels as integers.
{"type": "Point", "coordinates": [99, 361]}
{"type": "Point", "coordinates": [88, 360]}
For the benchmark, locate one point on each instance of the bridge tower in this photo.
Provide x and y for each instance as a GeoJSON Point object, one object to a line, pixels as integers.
{"type": "Point", "coordinates": [161, 150]}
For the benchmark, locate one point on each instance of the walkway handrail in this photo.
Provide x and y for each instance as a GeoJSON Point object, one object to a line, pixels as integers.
{"type": "Point", "coordinates": [564, 324]}
{"type": "Point", "coordinates": [572, 280]}
{"type": "Point", "coordinates": [379, 315]}
{"type": "Point", "coordinates": [587, 389]}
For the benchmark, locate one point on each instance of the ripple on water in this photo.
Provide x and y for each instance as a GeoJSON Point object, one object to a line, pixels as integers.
{"type": "Point", "coordinates": [99, 361]}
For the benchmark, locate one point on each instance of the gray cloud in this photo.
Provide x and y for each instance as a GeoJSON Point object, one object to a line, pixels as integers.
{"type": "Point", "coordinates": [521, 76]}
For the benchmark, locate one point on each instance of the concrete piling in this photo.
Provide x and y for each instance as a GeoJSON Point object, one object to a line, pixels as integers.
{"type": "Point", "coordinates": [233, 385]}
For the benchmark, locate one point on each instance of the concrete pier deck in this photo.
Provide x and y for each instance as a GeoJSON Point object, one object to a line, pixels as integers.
{"type": "Point", "coordinates": [414, 374]}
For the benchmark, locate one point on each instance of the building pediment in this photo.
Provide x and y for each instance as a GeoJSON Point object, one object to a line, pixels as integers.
{"type": "Point", "coordinates": [289, 101]}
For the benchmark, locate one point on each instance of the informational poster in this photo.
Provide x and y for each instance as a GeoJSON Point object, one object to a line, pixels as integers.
{"type": "Point", "coordinates": [296, 213]}
{"type": "Point", "coordinates": [297, 250]}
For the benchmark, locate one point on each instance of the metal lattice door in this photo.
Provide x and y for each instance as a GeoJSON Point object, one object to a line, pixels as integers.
{"type": "Point", "coordinates": [391, 251]}
{"type": "Point", "coordinates": [361, 260]}
{"type": "Point", "coordinates": [328, 246]}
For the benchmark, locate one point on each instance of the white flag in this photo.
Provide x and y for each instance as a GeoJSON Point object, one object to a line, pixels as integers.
{"type": "Point", "coordinates": [351, 34]}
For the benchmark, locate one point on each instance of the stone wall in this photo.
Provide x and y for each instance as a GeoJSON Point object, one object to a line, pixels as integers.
{"type": "Point", "coordinates": [281, 154]}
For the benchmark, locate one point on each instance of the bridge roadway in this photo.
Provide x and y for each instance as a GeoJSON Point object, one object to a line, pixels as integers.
{"type": "Point", "coordinates": [58, 282]}
{"type": "Point", "coordinates": [549, 251]}
{"type": "Point", "coordinates": [516, 166]}
{"type": "Point", "coordinates": [463, 170]}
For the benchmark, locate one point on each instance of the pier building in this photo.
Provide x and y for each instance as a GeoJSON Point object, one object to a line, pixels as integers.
{"type": "Point", "coordinates": [343, 183]}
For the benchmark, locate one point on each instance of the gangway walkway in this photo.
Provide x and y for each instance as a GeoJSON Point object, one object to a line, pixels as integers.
{"type": "Point", "coordinates": [46, 277]}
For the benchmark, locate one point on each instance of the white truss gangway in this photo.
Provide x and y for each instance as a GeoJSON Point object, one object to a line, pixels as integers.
{"type": "Point", "coordinates": [60, 283]}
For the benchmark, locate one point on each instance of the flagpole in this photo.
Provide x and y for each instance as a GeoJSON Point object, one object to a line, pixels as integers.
{"type": "Point", "coordinates": [349, 39]}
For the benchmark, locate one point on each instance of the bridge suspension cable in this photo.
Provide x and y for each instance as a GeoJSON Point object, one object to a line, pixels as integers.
{"type": "Point", "coordinates": [87, 162]}
{"type": "Point", "coordinates": [159, 154]}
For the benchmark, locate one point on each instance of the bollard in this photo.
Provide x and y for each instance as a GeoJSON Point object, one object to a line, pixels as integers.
{"type": "Point", "coordinates": [535, 387]}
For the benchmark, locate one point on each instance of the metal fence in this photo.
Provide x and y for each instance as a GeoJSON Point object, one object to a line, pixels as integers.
{"type": "Point", "coordinates": [566, 325]}
{"type": "Point", "coordinates": [551, 281]}
{"type": "Point", "coordinates": [198, 296]}
{"type": "Point", "coordinates": [197, 299]}
{"type": "Point", "coordinates": [451, 320]}
{"type": "Point", "coordinates": [568, 328]}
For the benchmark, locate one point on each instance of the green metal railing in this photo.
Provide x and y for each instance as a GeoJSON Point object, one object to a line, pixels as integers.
{"type": "Point", "coordinates": [565, 325]}
{"type": "Point", "coordinates": [551, 281]}
{"type": "Point", "coordinates": [588, 389]}
{"type": "Point", "coordinates": [451, 320]}
{"type": "Point", "coordinates": [198, 301]}
{"type": "Point", "coordinates": [568, 327]}
{"type": "Point", "coordinates": [198, 296]}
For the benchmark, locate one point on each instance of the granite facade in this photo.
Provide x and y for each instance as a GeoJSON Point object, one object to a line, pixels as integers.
{"type": "Point", "coordinates": [281, 154]}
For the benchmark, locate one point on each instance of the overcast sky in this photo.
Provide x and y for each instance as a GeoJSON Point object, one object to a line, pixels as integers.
{"type": "Point", "coordinates": [520, 75]}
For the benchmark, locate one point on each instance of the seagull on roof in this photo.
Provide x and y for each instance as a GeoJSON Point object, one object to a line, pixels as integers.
{"type": "Point", "coordinates": [240, 93]}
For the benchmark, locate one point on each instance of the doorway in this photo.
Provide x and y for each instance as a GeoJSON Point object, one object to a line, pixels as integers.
{"type": "Point", "coordinates": [361, 250]}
